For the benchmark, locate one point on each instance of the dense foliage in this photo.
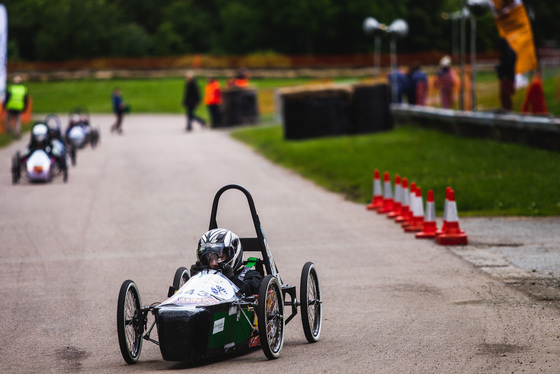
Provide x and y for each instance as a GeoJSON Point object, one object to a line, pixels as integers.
{"type": "Point", "coordinates": [74, 29]}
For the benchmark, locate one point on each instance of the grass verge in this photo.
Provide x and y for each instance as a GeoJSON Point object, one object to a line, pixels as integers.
{"type": "Point", "coordinates": [489, 178]}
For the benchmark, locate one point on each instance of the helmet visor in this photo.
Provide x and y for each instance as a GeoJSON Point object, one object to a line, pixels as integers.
{"type": "Point", "coordinates": [208, 250]}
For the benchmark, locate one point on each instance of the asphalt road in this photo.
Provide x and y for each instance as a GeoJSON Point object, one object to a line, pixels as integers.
{"type": "Point", "coordinates": [135, 207]}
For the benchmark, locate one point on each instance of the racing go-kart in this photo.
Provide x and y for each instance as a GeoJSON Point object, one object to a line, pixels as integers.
{"type": "Point", "coordinates": [79, 132]}
{"type": "Point", "coordinates": [42, 160]}
{"type": "Point", "coordinates": [205, 316]}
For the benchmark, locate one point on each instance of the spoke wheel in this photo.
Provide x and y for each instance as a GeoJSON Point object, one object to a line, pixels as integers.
{"type": "Point", "coordinates": [129, 322]}
{"type": "Point", "coordinates": [270, 313]}
{"type": "Point", "coordinates": [181, 277]}
{"type": "Point", "coordinates": [311, 303]}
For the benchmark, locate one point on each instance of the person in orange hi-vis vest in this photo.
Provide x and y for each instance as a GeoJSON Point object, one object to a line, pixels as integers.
{"type": "Point", "coordinates": [242, 78]}
{"type": "Point", "coordinates": [212, 100]}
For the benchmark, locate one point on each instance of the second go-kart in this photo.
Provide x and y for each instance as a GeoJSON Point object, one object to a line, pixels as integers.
{"type": "Point", "coordinates": [205, 316]}
{"type": "Point", "coordinates": [42, 160]}
{"type": "Point", "coordinates": [80, 133]}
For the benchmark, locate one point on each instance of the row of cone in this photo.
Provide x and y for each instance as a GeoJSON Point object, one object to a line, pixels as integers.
{"type": "Point", "coordinates": [407, 208]}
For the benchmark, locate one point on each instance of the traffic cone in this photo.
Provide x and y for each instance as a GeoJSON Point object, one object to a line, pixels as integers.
{"type": "Point", "coordinates": [387, 195]}
{"type": "Point", "coordinates": [448, 190]}
{"type": "Point", "coordinates": [405, 202]}
{"type": "Point", "coordinates": [397, 203]}
{"type": "Point", "coordinates": [411, 198]}
{"type": "Point", "coordinates": [417, 222]}
{"type": "Point", "coordinates": [430, 226]}
{"type": "Point", "coordinates": [377, 199]}
{"type": "Point", "coordinates": [452, 234]}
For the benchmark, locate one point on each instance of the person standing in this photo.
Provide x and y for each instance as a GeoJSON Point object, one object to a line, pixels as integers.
{"type": "Point", "coordinates": [506, 73]}
{"type": "Point", "coordinates": [212, 100]}
{"type": "Point", "coordinates": [398, 84]}
{"type": "Point", "coordinates": [446, 82]}
{"type": "Point", "coordinates": [118, 109]}
{"type": "Point", "coordinates": [191, 100]}
{"type": "Point", "coordinates": [16, 102]}
{"type": "Point", "coordinates": [417, 85]}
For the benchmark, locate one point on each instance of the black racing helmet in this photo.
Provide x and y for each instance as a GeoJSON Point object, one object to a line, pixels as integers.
{"type": "Point", "coordinates": [219, 242]}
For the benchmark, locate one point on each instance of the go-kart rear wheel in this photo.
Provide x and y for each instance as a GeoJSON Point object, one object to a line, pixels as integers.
{"type": "Point", "coordinates": [181, 277]}
{"type": "Point", "coordinates": [270, 313]}
{"type": "Point", "coordinates": [73, 155]}
{"type": "Point", "coordinates": [129, 322]}
{"type": "Point", "coordinates": [311, 303]}
{"type": "Point", "coordinates": [94, 138]}
{"type": "Point", "coordinates": [16, 168]}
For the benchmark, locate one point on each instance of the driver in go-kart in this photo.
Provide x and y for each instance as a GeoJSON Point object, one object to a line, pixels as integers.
{"type": "Point", "coordinates": [41, 139]}
{"type": "Point", "coordinates": [221, 250]}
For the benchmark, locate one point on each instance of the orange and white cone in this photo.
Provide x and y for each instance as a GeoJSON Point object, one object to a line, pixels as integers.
{"type": "Point", "coordinates": [448, 190]}
{"type": "Point", "coordinates": [397, 203]}
{"type": "Point", "coordinates": [377, 199]}
{"type": "Point", "coordinates": [417, 222]}
{"type": "Point", "coordinates": [411, 198]}
{"type": "Point", "coordinates": [405, 202]}
{"type": "Point", "coordinates": [452, 234]}
{"type": "Point", "coordinates": [387, 195]}
{"type": "Point", "coordinates": [430, 226]}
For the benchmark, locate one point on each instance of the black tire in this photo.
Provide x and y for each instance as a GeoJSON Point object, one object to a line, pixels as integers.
{"type": "Point", "coordinates": [73, 156]}
{"type": "Point", "coordinates": [16, 169]}
{"type": "Point", "coordinates": [94, 138]}
{"type": "Point", "coordinates": [311, 303]}
{"type": "Point", "coordinates": [128, 321]}
{"type": "Point", "coordinates": [65, 175]}
{"type": "Point", "coordinates": [181, 277]}
{"type": "Point", "coordinates": [270, 313]}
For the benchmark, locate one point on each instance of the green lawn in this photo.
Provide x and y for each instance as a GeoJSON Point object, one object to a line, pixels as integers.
{"type": "Point", "coordinates": [489, 178]}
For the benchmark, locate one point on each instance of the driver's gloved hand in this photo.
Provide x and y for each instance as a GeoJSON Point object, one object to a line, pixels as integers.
{"type": "Point", "coordinates": [226, 270]}
{"type": "Point", "coordinates": [197, 267]}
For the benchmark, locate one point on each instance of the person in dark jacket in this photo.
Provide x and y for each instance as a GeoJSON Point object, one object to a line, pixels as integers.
{"type": "Point", "coordinates": [191, 100]}
{"type": "Point", "coordinates": [506, 73]}
{"type": "Point", "coordinates": [221, 250]}
{"type": "Point", "coordinates": [119, 109]}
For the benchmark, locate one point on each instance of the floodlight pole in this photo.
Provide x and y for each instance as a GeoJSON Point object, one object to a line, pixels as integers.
{"type": "Point", "coordinates": [393, 73]}
{"type": "Point", "coordinates": [377, 55]}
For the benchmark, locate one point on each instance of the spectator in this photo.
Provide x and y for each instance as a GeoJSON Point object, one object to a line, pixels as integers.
{"type": "Point", "coordinates": [398, 84]}
{"type": "Point", "coordinates": [506, 73]}
{"type": "Point", "coordinates": [16, 102]}
{"type": "Point", "coordinates": [191, 100]}
{"type": "Point", "coordinates": [446, 82]}
{"type": "Point", "coordinates": [119, 109]}
{"type": "Point", "coordinates": [417, 85]}
{"type": "Point", "coordinates": [241, 80]}
{"type": "Point", "coordinates": [212, 100]}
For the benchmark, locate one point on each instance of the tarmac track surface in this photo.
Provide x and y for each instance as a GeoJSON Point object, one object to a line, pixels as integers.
{"type": "Point", "coordinates": [135, 207]}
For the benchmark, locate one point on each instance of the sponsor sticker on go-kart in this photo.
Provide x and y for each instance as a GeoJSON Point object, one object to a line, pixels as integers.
{"type": "Point", "coordinates": [204, 288]}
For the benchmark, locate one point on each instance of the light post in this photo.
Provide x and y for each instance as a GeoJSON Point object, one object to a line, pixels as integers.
{"type": "Point", "coordinates": [477, 8]}
{"type": "Point", "coordinates": [398, 28]}
{"type": "Point", "coordinates": [372, 26]}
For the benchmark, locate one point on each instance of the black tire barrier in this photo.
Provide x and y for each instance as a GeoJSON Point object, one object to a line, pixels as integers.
{"type": "Point", "coordinates": [370, 111]}
{"type": "Point", "coordinates": [336, 111]}
{"type": "Point", "coordinates": [239, 107]}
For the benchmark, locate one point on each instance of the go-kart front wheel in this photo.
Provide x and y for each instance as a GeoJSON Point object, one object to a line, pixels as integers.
{"type": "Point", "coordinates": [130, 324]}
{"type": "Point", "coordinates": [181, 277]}
{"type": "Point", "coordinates": [270, 313]}
{"type": "Point", "coordinates": [311, 304]}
